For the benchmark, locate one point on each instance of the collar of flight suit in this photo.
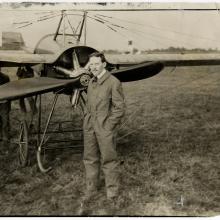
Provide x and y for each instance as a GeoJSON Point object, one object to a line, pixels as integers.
{"type": "Point", "coordinates": [101, 74]}
{"type": "Point", "coordinates": [103, 77]}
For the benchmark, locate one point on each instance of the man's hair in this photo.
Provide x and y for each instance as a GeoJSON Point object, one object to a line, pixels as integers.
{"type": "Point", "coordinates": [98, 54]}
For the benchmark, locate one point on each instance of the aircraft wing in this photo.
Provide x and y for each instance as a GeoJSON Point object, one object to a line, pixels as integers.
{"type": "Point", "coordinates": [33, 86]}
{"type": "Point", "coordinates": [138, 72]}
{"type": "Point", "coordinates": [15, 57]}
{"type": "Point", "coordinates": [168, 59]}
{"type": "Point", "coordinates": [10, 58]}
{"type": "Point", "coordinates": [40, 85]}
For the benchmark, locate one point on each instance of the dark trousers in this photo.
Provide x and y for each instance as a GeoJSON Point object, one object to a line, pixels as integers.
{"type": "Point", "coordinates": [100, 151]}
{"type": "Point", "coordinates": [32, 104]}
{"type": "Point", "coordinates": [4, 121]}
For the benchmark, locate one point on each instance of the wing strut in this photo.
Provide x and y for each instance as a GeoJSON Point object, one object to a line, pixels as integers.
{"type": "Point", "coordinates": [39, 161]}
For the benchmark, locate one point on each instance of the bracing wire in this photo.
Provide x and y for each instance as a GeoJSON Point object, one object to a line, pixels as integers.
{"type": "Point", "coordinates": [160, 28]}
{"type": "Point", "coordinates": [118, 32]}
{"type": "Point", "coordinates": [107, 26]}
{"type": "Point", "coordinates": [142, 34]}
{"type": "Point", "coordinates": [72, 28]}
{"type": "Point", "coordinates": [27, 23]}
{"type": "Point", "coordinates": [41, 17]}
{"type": "Point", "coordinates": [77, 27]}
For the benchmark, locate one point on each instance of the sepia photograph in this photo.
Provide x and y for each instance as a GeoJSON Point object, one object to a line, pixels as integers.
{"type": "Point", "coordinates": [110, 109]}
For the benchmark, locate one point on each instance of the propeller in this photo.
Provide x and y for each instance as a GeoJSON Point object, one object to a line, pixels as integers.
{"type": "Point", "coordinates": [76, 64]}
{"type": "Point", "coordinates": [76, 93]}
{"type": "Point", "coordinates": [74, 72]}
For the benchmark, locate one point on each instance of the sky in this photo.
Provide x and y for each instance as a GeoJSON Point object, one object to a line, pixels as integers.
{"type": "Point", "coordinates": [146, 29]}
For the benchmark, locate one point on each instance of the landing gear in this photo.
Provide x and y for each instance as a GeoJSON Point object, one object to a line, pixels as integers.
{"type": "Point", "coordinates": [23, 144]}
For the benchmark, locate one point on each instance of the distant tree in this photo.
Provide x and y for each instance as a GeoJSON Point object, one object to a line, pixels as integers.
{"type": "Point", "coordinates": [15, 5]}
{"type": "Point", "coordinates": [111, 51]}
{"type": "Point", "coordinates": [27, 4]}
{"type": "Point", "coordinates": [135, 50]}
{"type": "Point", "coordinates": [179, 50]}
{"type": "Point", "coordinates": [102, 3]}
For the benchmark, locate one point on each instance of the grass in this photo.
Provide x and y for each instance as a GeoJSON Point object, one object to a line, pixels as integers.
{"type": "Point", "coordinates": [168, 146]}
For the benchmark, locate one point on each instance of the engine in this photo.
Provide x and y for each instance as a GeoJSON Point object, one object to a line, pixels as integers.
{"type": "Point", "coordinates": [71, 64]}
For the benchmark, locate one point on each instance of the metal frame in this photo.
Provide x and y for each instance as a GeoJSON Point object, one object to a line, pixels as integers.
{"type": "Point", "coordinates": [25, 133]}
{"type": "Point", "coordinates": [82, 25]}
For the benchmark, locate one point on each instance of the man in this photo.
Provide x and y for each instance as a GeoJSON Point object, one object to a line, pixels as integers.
{"type": "Point", "coordinates": [26, 72]}
{"type": "Point", "coordinates": [104, 110]}
{"type": "Point", "coordinates": [4, 112]}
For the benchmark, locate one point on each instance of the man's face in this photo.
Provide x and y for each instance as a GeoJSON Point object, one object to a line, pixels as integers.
{"type": "Point", "coordinates": [96, 65]}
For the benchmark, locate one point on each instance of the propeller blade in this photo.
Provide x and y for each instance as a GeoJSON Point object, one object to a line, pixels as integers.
{"type": "Point", "coordinates": [76, 64]}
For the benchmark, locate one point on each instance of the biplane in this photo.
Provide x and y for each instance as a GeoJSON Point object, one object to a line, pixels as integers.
{"type": "Point", "coordinates": [67, 72]}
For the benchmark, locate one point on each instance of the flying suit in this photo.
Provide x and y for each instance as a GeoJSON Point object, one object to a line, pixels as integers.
{"type": "Point", "coordinates": [104, 110]}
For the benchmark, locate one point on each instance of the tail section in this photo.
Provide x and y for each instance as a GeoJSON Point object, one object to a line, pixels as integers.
{"type": "Point", "coordinates": [12, 41]}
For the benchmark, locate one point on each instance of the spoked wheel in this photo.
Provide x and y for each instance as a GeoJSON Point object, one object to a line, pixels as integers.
{"type": "Point", "coordinates": [23, 145]}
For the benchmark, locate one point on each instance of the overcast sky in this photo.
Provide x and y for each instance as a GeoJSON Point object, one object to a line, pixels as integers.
{"type": "Point", "coordinates": [147, 29]}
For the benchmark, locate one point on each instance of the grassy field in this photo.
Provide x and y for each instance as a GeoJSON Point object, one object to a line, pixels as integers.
{"type": "Point", "coordinates": [168, 147]}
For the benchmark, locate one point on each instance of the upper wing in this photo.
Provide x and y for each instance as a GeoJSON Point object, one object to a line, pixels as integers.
{"type": "Point", "coordinates": [138, 72]}
{"type": "Point", "coordinates": [33, 86]}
